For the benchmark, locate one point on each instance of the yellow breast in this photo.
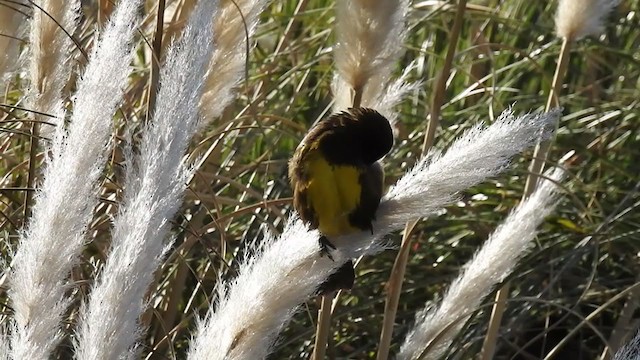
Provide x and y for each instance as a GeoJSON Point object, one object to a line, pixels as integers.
{"type": "Point", "coordinates": [333, 192]}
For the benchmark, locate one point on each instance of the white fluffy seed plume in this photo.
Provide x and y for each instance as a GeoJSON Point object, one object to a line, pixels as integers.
{"type": "Point", "coordinates": [394, 92]}
{"type": "Point", "coordinates": [370, 36]}
{"type": "Point", "coordinates": [479, 154]}
{"type": "Point", "coordinates": [235, 21]}
{"type": "Point", "coordinates": [64, 203]}
{"type": "Point", "coordinates": [5, 349]}
{"type": "Point", "coordinates": [576, 19]}
{"type": "Point", "coordinates": [11, 19]}
{"type": "Point", "coordinates": [248, 314]}
{"type": "Point", "coordinates": [52, 25]}
{"type": "Point", "coordinates": [154, 189]}
{"type": "Point", "coordinates": [260, 301]}
{"type": "Point", "coordinates": [631, 350]}
{"type": "Point", "coordinates": [436, 327]}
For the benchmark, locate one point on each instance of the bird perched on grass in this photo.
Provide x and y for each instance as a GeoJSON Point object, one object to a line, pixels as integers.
{"type": "Point", "coordinates": [337, 181]}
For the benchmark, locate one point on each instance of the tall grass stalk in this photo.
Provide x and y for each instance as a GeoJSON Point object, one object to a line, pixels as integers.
{"type": "Point", "coordinates": [574, 20]}
{"type": "Point", "coordinates": [323, 327]}
{"type": "Point", "coordinates": [247, 315]}
{"type": "Point", "coordinates": [55, 235]}
{"type": "Point", "coordinates": [154, 187]}
{"type": "Point", "coordinates": [396, 278]}
{"type": "Point", "coordinates": [437, 326]}
{"type": "Point", "coordinates": [154, 77]}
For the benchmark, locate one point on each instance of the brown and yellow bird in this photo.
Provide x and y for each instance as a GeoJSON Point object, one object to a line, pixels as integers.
{"type": "Point", "coordinates": [337, 181]}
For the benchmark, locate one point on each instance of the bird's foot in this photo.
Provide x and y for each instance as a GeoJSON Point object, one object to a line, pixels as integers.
{"type": "Point", "coordinates": [325, 246]}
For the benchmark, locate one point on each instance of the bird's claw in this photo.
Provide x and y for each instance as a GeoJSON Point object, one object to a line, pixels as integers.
{"type": "Point", "coordinates": [325, 245]}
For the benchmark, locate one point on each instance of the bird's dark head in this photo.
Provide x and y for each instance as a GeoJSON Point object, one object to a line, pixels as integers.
{"type": "Point", "coordinates": [375, 133]}
{"type": "Point", "coordinates": [357, 136]}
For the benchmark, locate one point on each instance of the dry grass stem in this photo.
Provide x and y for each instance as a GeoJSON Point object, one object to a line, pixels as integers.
{"type": "Point", "coordinates": [154, 76]}
{"type": "Point", "coordinates": [324, 326]}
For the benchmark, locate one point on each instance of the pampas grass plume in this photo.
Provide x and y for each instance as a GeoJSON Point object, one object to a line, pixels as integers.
{"type": "Point", "coordinates": [237, 19]}
{"type": "Point", "coordinates": [10, 21]}
{"type": "Point", "coordinates": [153, 193]}
{"type": "Point", "coordinates": [576, 19]}
{"type": "Point", "coordinates": [244, 321]}
{"type": "Point", "coordinates": [252, 310]}
{"type": "Point", "coordinates": [436, 327]}
{"type": "Point", "coordinates": [51, 27]}
{"type": "Point", "coordinates": [370, 36]}
{"type": "Point", "coordinates": [631, 350]}
{"type": "Point", "coordinates": [5, 349]}
{"type": "Point", "coordinates": [64, 204]}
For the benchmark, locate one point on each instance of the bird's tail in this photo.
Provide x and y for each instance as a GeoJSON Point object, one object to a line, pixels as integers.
{"type": "Point", "coordinates": [343, 278]}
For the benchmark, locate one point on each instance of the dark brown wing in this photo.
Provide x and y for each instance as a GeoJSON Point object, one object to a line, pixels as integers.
{"type": "Point", "coordinates": [303, 207]}
{"type": "Point", "coordinates": [299, 183]}
{"type": "Point", "coordinates": [371, 182]}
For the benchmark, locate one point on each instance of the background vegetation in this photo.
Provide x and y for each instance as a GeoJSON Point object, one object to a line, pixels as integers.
{"type": "Point", "coordinates": [573, 288]}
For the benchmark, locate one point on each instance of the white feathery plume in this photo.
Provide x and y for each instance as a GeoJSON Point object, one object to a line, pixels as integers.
{"type": "Point", "coordinates": [236, 20]}
{"type": "Point", "coordinates": [393, 94]}
{"type": "Point", "coordinates": [479, 154]}
{"type": "Point", "coordinates": [369, 35]}
{"type": "Point", "coordinates": [631, 350]}
{"type": "Point", "coordinates": [576, 19]}
{"type": "Point", "coordinates": [153, 193]}
{"type": "Point", "coordinates": [53, 23]}
{"type": "Point", "coordinates": [285, 272]}
{"type": "Point", "coordinates": [271, 285]}
{"type": "Point", "coordinates": [10, 21]}
{"type": "Point", "coordinates": [436, 327]}
{"type": "Point", "coordinates": [5, 349]}
{"type": "Point", "coordinates": [64, 204]}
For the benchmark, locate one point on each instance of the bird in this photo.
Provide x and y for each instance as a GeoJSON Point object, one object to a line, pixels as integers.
{"type": "Point", "coordinates": [337, 180]}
